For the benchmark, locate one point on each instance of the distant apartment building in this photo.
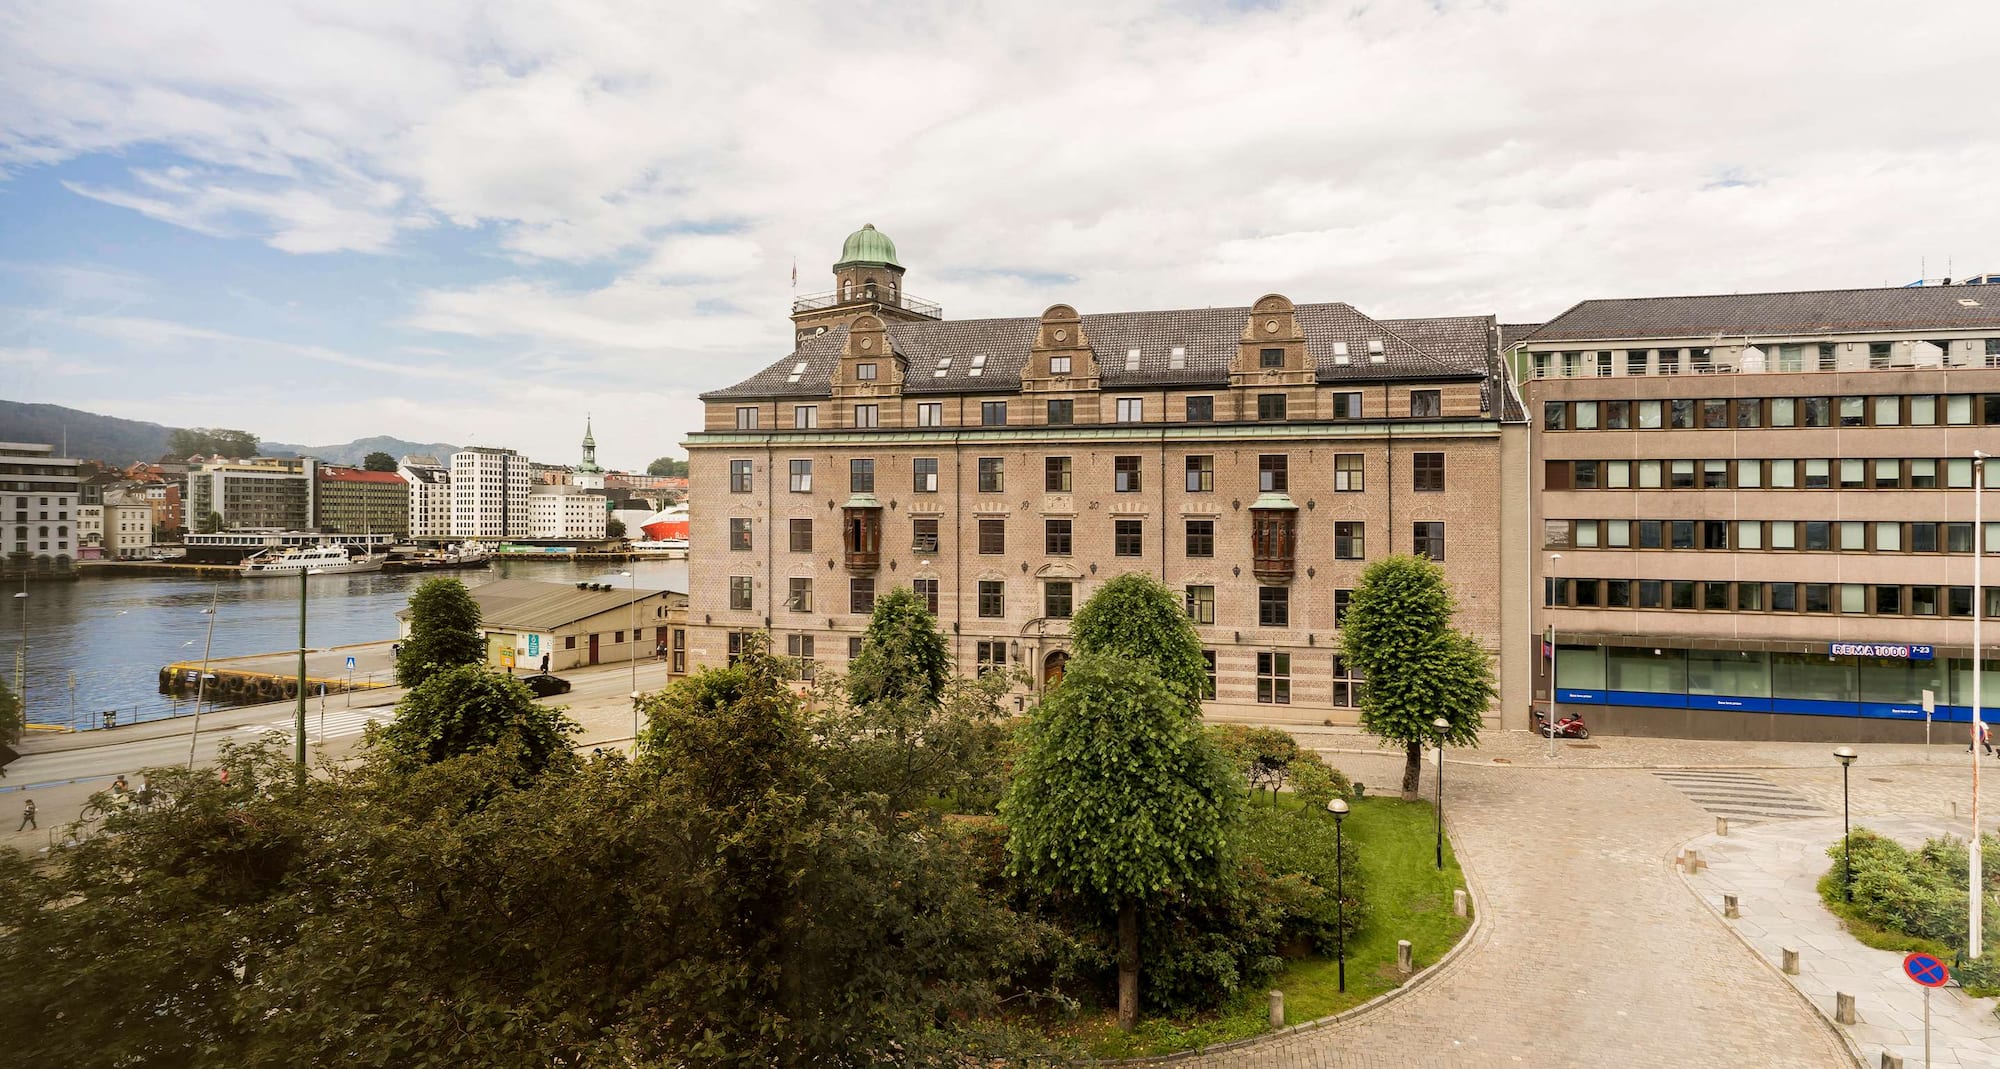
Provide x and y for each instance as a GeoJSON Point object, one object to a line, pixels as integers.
{"type": "Point", "coordinates": [39, 494]}
{"type": "Point", "coordinates": [165, 499]}
{"type": "Point", "coordinates": [128, 526]}
{"type": "Point", "coordinates": [354, 501]}
{"type": "Point", "coordinates": [429, 484]}
{"type": "Point", "coordinates": [563, 513]}
{"type": "Point", "coordinates": [90, 530]}
{"type": "Point", "coordinates": [1754, 513]}
{"type": "Point", "coordinates": [489, 493]}
{"type": "Point", "coordinates": [260, 493]}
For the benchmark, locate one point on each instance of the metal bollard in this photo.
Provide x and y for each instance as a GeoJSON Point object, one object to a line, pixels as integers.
{"type": "Point", "coordinates": [1721, 826]}
{"type": "Point", "coordinates": [1405, 957]}
{"type": "Point", "coordinates": [1891, 1061]}
{"type": "Point", "coordinates": [1729, 907]}
{"type": "Point", "coordinates": [1791, 961]}
{"type": "Point", "coordinates": [1277, 1009]}
{"type": "Point", "coordinates": [1843, 1007]}
{"type": "Point", "coordinates": [1459, 903]}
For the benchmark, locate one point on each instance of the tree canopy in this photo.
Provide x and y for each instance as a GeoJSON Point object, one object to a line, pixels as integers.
{"type": "Point", "coordinates": [378, 461]}
{"type": "Point", "coordinates": [444, 632]}
{"type": "Point", "coordinates": [903, 654]}
{"type": "Point", "coordinates": [187, 441]}
{"type": "Point", "coordinates": [460, 710]}
{"type": "Point", "coordinates": [13, 719]}
{"type": "Point", "coordinates": [1398, 634]}
{"type": "Point", "coordinates": [667, 466]}
{"type": "Point", "coordinates": [1134, 616]}
{"type": "Point", "coordinates": [614, 528]}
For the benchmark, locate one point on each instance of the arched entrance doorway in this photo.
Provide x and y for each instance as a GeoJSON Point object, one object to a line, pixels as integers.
{"type": "Point", "coordinates": [1052, 667]}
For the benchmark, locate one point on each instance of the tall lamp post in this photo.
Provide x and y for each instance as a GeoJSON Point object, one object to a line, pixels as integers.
{"type": "Point", "coordinates": [1550, 725]}
{"type": "Point", "coordinates": [1846, 756]}
{"type": "Point", "coordinates": [1338, 807]}
{"type": "Point", "coordinates": [632, 654]}
{"type": "Point", "coordinates": [21, 668]}
{"type": "Point", "coordinates": [1442, 725]}
{"type": "Point", "coordinates": [299, 735]}
{"type": "Point", "coordinates": [1975, 874]}
{"type": "Point", "coordinates": [201, 681]}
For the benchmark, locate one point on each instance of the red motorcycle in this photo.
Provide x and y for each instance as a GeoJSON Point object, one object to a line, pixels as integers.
{"type": "Point", "coordinates": [1569, 727]}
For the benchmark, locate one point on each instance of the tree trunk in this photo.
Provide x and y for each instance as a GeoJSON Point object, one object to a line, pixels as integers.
{"type": "Point", "coordinates": [1128, 966]}
{"type": "Point", "coordinates": [1413, 767]}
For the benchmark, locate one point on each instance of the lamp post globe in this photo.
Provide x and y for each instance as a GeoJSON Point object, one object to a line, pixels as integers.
{"type": "Point", "coordinates": [1338, 807]}
{"type": "Point", "coordinates": [1845, 755]}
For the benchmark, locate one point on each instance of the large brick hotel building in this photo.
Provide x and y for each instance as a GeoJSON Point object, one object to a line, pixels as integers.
{"type": "Point", "coordinates": [1255, 458]}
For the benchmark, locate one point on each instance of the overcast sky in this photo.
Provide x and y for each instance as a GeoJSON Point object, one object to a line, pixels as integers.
{"type": "Point", "coordinates": [475, 223]}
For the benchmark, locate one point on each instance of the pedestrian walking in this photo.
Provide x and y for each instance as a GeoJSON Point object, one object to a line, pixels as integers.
{"type": "Point", "coordinates": [118, 784]}
{"type": "Point", "coordinates": [545, 664]}
{"type": "Point", "coordinates": [1985, 739]}
{"type": "Point", "coordinates": [28, 817]}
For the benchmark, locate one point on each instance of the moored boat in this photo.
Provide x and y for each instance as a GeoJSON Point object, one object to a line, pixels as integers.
{"type": "Point", "coordinates": [320, 560]}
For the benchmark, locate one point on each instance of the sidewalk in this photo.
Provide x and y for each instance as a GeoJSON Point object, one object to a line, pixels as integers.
{"type": "Point", "coordinates": [1773, 869]}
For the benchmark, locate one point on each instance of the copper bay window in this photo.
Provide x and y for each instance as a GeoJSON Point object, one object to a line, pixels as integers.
{"type": "Point", "coordinates": [1274, 524]}
{"type": "Point", "coordinates": [861, 528]}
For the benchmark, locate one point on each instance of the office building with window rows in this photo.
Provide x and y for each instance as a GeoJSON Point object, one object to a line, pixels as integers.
{"type": "Point", "coordinates": [1254, 459]}
{"type": "Point", "coordinates": [1754, 514]}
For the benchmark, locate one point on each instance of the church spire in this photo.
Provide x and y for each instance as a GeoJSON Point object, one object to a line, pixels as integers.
{"type": "Point", "coordinates": [589, 448]}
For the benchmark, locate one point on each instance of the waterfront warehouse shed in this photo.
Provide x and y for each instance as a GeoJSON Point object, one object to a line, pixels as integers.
{"type": "Point", "coordinates": [576, 624]}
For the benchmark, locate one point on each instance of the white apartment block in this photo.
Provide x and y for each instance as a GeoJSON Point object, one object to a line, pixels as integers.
{"type": "Point", "coordinates": [38, 500]}
{"type": "Point", "coordinates": [430, 496]}
{"type": "Point", "coordinates": [128, 529]}
{"type": "Point", "coordinates": [564, 514]}
{"type": "Point", "coordinates": [489, 493]}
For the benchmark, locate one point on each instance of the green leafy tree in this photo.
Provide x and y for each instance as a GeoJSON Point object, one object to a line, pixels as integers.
{"type": "Point", "coordinates": [614, 528]}
{"type": "Point", "coordinates": [1134, 616]}
{"type": "Point", "coordinates": [460, 710]}
{"type": "Point", "coordinates": [904, 657]}
{"type": "Point", "coordinates": [13, 719]}
{"type": "Point", "coordinates": [667, 466]}
{"type": "Point", "coordinates": [1121, 798]}
{"type": "Point", "coordinates": [444, 632]}
{"type": "Point", "coordinates": [209, 524]}
{"type": "Point", "coordinates": [1398, 634]}
{"type": "Point", "coordinates": [378, 461]}
{"type": "Point", "coordinates": [187, 441]}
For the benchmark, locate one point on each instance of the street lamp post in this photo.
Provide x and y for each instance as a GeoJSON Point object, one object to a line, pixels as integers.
{"type": "Point", "coordinates": [632, 654]}
{"type": "Point", "coordinates": [1338, 807]}
{"type": "Point", "coordinates": [201, 681]}
{"type": "Point", "coordinates": [1975, 881]}
{"type": "Point", "coordinates": [1442, 725]}
{"type": "Point", "coordinates": [1846, 756]}
{"type": "Point", "coordinates": [299, 751]}
{"type": "Point", "coordinates": [1550, 725]}
{"type": "Point", "coordinates": [21, 669]}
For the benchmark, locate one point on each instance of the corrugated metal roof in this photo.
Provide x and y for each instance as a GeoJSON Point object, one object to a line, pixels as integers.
{"type": "Point", "coordinates": [1805, 312]}
{"type": "Point", "coordinates": [533, 605]}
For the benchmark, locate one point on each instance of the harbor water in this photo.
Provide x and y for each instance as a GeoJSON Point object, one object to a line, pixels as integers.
{"type": "Point", "coordinates": [98, 643]}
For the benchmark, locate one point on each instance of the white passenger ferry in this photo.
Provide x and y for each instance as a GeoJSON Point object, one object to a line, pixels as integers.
{"type": "Point", "coordinates": [318, 559]}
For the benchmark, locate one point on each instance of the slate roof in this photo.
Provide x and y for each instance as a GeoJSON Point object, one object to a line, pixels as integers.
{"type": "Point", "coordinates": [533, 605]}
{"type": "Point", "coordinates": [1437, 349]}
{"type": "Point", "coordinates": [1807, 312]}
{"type": "Point", "coordinates": [1513, 332]}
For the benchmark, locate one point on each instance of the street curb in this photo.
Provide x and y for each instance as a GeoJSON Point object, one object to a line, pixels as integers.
{"type": "Point", "coordinates": [1847, 1041]}
{"type": "Point", "coordinates": [1475, 936]}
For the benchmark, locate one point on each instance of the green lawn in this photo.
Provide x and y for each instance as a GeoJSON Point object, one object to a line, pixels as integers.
{"type": "Point", "coordinates": [1408, 898]}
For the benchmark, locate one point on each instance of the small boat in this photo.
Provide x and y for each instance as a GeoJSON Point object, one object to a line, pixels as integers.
{"type": "Point", "coordinates": [463, 555]}
{"type": "Point", "coordinates": [321, 559]}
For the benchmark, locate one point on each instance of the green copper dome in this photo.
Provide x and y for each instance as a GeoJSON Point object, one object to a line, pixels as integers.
{"type": "Point", "coordinates": [868, 246]}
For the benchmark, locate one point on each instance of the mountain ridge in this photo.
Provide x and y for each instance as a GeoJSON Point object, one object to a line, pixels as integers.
{"type": "Point", "coordinates": [120, 441]}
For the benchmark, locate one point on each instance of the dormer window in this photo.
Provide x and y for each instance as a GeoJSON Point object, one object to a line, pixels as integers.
{"type": "Point", "coordinates": [1270, 358]}
{"type": "Point", "coordinates": [1131, 359]}
{"type": "Point", "coordinates": [943, 366]}
{"type": "Point", "coordinates": [1340, 352]}
{"type": "Point", "coordinates": [978, 365]}
{"type": "Point", "coordinates": [864, 372]}
{"type": "Point", "coordinates": [1374, 350]}
{"type": "Point", "coordinates": [1177, 358]}
{"type": "Point", "coordinates": [1059, 365]}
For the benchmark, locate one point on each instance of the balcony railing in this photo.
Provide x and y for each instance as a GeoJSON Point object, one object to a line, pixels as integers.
{"type": "Point", "coordinates": [813, 302]}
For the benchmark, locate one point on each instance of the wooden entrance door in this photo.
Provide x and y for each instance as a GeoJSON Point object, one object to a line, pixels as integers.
{"type": "Point", "coordinates": [593, 649]}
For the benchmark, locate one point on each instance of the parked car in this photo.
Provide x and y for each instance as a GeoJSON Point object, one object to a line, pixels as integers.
{"type": "Point", "coordinates": [545, 685]}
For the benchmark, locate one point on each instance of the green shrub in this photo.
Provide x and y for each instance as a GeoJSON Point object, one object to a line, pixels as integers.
{"type": "Point", "coordinates": [1918, 895]}
{"type": "Point", "coordinates": [1298, 846]}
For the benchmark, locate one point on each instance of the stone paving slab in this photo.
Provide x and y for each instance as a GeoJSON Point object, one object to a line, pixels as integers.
{"type": "Point", "coordinates": [1774, 870]}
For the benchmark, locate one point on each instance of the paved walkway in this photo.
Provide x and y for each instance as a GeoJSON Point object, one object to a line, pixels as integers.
{"type": "Point", "coordinates": [1773, 870]}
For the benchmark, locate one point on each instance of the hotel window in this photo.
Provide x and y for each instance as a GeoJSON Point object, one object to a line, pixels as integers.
{"type": "Point", "coordinates": [993, 413]}
{"type": "Point", "coordinates": [1208, 668]}
{"type": "Point", "coordinates": [1715, 534]}
{"type": "Point", "coordinates": [1923, 475]}
{"type": "Point", "coordinates": [1749, 597]}
{"type": "Point", "coordinates": [1347, 473]}
{"type": "Point", "coordinates": [1680, 534]}
{"type": "Point", "coordinates": [1888, 411]}
{"type": "Point", "coordinates": [1819, 536]}
{"type": "Point", "coordinates": [1649, 415]}
{"type": "Point", "coordinates": [1854, 411]}
{"type": "Point", "coordinates": [1273, 473]}
{"type": "Point", "coordinates": [1958, 600]}
{"type": "Point", "coordinates": [1427, 540]}
{"type": "Point", "coordinates": [1200, 474]}
{"type": "Point", "coordinates": [992, 599]}
{"type": "Point", "coordinates": [991, 656]}
{"type": "Point", "coordinates": [680, 651]}
{"type": "Point", "coordinates": [1749, 414]}
{"type": "Point", "coordinates": [1680, 594]}
{"type": "Point", "coordinates": [853, 647]}
{"type": "Point", "coordinates": [1062, 412]}
{"type": "Point", "coordinates": [739, 533]}
{"type": "Point", "coordinates": [861, 594]}
{"type": "Point", "coordinates": [864, 372]}
{"type": "Point", "coordinates": [1958, 410]}
{"type": "Point", "coordinates": [930, 414]}
{"type": "Point", "coordinates": [1059, 365]}
{"type": "Point", "coordinates": [1056, 537]}
{"type": "Point", "coordinates": [1586, 534]}
{"type": "Point", "coordinates": [737, 639]}
{"type": "Point", "coordinates": [1125, 475]}
{"type": "Point", "coordinates": [1429, 404]}
{"type": "Point", "coordinates": [1680, 414]}
{"type": "Point", "coordinates": [1270, 406]}
{"type": "Point", "coordinates": [1347, 406]}
{"type": "Point", "coordinates": [1853, 536]}
{"type": "Point", "coordinates": [1128, 538]}
{"type": "Point", "coordinates": [1427, 471]}
{"type": "Point", "coordinates": [1923, 411]}
{"type": "Point", "coordinates": [1131, 410]}
{"type": "Point", "coordinates": [861, 476]}
{"type": "Point", "coordinates": [800, 535]}
{"type": "Point", "coordinates": [1583, 417]}
{"type": "Point", "coordinates": [805, 417]}
{"type": "Point", "coordinates": [1201, 538]}
{"type": "Point", "coordinates": [1349, 540]}
{"type": "Point", "coordinates": [1274, 678]}
{"type": "Point", "coordinates": [1958, 473]}
{"type": "Point", "coordinates": [927, 589]}
{"type": "Point", "coordinates": [740, 588]}
{"type": "Point", "coordinates": [799, 598]}
{"type": "Point", "coordinates": [1819, 475]}
{"type": "Point", "coordinates": [1200, 409]}
{"type": "Point", "coordinates": [739, 476]}
{"type": "Point", "coordinates": [1924, 602]}
{"type": "Point", "coordinates": [1270, 358]}
{"type": "Point", "coordinates": [746, 418]}
{"type": "Point", "coordinates": [1784, 535]}
{"type": "Point", "coordinates": [992, 535]}
{"type": "Point", "coordinates": [1555, 416]}
{"type": "Point", "coordinates": [1341, 600]}
{"type": "Point", "coordinates": [1816, 412]}
{"type": "Point", "coordinates": [1650, 593]}
{"type": "Point", "coordinates": [1785, 598]}
{"type": "Point", "coordinates": [992, 475]}
{"type": "Point", "coordinates": [1057, 595]}
{"type": "Point", "coordinates": [1618, 593]}
{"type": "Point", "coordinates": [1749, 534]}
{"type": "Point", "coordinates": [1958, 538]}
{"type": "Point", "coordinates": [1055, 475]}
{"type": "Point", "coordinates": [1923, 538]}
{"type": "Point", "coordinates": [924, 534]}
{"type": "Point", "coordinates": [1618, 415]}
{"type": "Point", "coordinates": [1651, 473]}
{"type": "Point", "coordinates": [800, 649]}
{"type": "Point", "coordinates": [1635, 361]}
{"type": "Point", "coordinates": [1274, 606]}
{"type": "Point", "coordinates": [1200, 602]}
{"type": "Point", "coordinates": [1889, 537]}
{"type": "Point", "coordinates": [1670, 361]}
{"type": "Point", "coordinates": [867, 416]}
{"type": "Point", "coordinates": [924, 475]}
{"type": "Point", "coordinates": [1784, 474]}
{"type": "Point", "coordinates": [1346, 685]}
{"type": "Point", "coordinates": [1878, 355]}
{"type": "Point", "coordinates": [802, 476]}
{"type": "Point", "coordinates": [1715, 413]}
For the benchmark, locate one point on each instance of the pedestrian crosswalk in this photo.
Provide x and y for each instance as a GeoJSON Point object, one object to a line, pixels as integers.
{"type": "Point", "coordinates": [335, 725]}
{"type": "Point", "coordinates": [1743, 797]}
